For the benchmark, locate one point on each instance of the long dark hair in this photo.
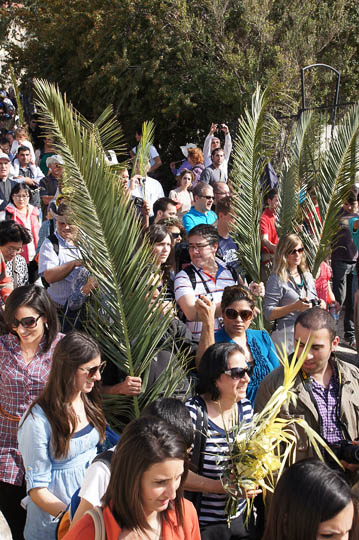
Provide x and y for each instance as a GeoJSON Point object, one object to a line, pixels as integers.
{"type": "Point", "coordinates": [157, 233]}
{"type": "Point", "coordinates": [72, 351]}
{"type": "Point", "coordinates": [308, 493]}
{"type": "Point", "coordinates": [144, 442]}
{"type": "Point", "coordinates": [213, 363]}
{"type": "Point", "coordinates": [36, 298]}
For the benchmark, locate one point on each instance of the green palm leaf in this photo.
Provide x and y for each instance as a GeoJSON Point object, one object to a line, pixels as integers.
{"type": "Point", "coordinates": [337, 169]}
{"type": "Point", "coordinates": [128, 327]}
{"type": "Point", "coordinates": [256, 138]}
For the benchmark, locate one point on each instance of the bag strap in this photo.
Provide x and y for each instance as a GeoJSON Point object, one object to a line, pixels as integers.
{"type": "Point", "coordinates": [99, 523]}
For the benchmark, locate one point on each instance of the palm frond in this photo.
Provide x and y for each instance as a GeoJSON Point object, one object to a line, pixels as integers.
{"type": "Point", "coordinates": [257, 132]}
{"type": "Point", "coordinates": [337, 170]}
{"type": "Point", "coordinates": [293, 176]}
{"type": "Point", "coordinates": [143, 149]}
{"type": "Point", "coordinates": [127, 324]}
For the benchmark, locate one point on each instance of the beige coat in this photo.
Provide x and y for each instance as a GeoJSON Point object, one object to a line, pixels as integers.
{"type": "Point", "coordinates": [305, 408]}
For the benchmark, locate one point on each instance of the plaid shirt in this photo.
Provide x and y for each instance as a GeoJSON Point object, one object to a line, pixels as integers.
{"type": "Point", "coordinates": [20, 384]}
{"type": "Point", "coordinates": [327, 403]}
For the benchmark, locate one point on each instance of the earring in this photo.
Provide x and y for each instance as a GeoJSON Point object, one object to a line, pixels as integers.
{"type": "Point", "coordinates": [46, 326]}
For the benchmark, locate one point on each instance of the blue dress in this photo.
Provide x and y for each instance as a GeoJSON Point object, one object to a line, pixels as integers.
{"type": "Point", "coordinates": [264, 355]}
{"type": "Point", "coordinates": [61, 477]}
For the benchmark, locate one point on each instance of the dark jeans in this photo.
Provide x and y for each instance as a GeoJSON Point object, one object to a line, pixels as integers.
{"type": "Point", "coordinates": [343, 275]}
{"type": "Point", "coordinates": [237, 531]}
{"type": "Point", "coordinates": [15, 515]}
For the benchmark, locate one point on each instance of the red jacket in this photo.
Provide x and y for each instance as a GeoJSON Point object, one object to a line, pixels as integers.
{"type": "Point", "coordinates": [34, 222]}
{"type": "Point", "coordinates": [171, 529]}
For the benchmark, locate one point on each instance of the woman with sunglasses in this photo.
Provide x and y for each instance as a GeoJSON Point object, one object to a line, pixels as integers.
{"type": "Point", "coordinates": [290, 290]}
{"type": "Point", "coordinates": [238, 306]}
{"type": "Point", "coordinates": [26, 351]}
{"type": "Point", "coordinates": [220, 403]}
{"type": "Point", "coordinates": [59, 433]}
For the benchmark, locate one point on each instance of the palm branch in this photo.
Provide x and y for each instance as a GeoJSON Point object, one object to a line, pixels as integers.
{"type": "Point", "coordinates": [335, 178]}
{"type": "Point", "coordinates": [128, 326]}
{"type": "Point", "coordinates": [293, 176]}
{"type": "Point", "coordinates": [257, 132]}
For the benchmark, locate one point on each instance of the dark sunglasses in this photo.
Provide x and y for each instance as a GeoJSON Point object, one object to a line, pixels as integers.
{"type": "Point", "coordinates": [233, 314]}
{"type": "Point", "coordinates": [26, 322]}
{"type": "Point", "coordinates": [176, 235]}
{"type": "Point", "coordinates": [208, 197]}
{"type": "Point", "coordinates": [238, 373]}
{"type": "Point", "coordinates": [298, 250]}
{"type": "Point", "coordinates": [91, 372]}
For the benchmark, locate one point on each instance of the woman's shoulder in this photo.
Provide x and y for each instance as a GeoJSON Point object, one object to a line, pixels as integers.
{"type": "Point", "coordinates": [221, 336]}
{"type": "Point", "coordinates": [259, 335]}
{"type": "Point", "coordinates": [33, 210]}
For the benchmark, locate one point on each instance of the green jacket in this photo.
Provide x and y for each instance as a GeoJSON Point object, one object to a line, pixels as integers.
{"type": "Point", "coordinates": [348, 414]}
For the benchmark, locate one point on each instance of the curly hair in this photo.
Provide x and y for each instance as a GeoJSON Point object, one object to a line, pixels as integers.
{"type": "Point", "coordinates": [196, 155]}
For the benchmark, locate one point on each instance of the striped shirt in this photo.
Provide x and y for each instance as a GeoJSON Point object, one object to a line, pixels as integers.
{"type": "Point", "coordinates": [212, 509]}
{"type": "Point", "coordinates": [183, 286]}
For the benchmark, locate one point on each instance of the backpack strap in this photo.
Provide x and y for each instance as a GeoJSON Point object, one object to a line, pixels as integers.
{"type": "Point", "coordinates": [55, 242]}
{"type": "Point", "coordinates": [99, 522]}
{"type": "Point", "coordinates": [191, 272]}
{"type": "Point", "coordinates": [105, 458]}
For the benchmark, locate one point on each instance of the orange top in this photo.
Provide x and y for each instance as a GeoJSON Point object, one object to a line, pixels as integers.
{"type": "Point", "coordinates": [171, 529]}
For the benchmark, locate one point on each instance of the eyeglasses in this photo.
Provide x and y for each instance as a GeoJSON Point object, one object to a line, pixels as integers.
{"type": "Point", "coordinates": [237, 373]}
{"type": "Point", "coordinates": [233, 314]}
{"type": "Point", "coordinates": [298, 250]}
{"type": "Point", "coordinates": [197, 246]}
{"type": "Point", "coordinates": [91, 372]}
{"type": "Point", "coordinates": [22, 196]}
{"type": "Point", "coordinates": [176, 235]}
{"type": "Point", "coordinates": [26, 322]}
{"type": "Point", "coordinates": [208, 197]}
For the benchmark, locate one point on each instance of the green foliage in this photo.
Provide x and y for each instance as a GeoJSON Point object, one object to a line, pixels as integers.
{"type": "Point", "coordinates": [124, 321]}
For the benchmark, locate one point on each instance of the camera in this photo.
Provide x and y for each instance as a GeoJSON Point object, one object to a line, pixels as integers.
{"type": "Point", "coordinates": [315, 302]}
{"type": "Point", "coordinates": [138, 202]}
{"type": "Point", "coordinates": [346, 451]}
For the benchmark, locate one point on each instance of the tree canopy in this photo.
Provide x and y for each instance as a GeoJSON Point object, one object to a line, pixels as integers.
{"type": "Point", "coordinates": [183, 63]}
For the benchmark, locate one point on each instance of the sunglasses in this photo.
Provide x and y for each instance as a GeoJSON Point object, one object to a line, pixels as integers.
{"type": "Point", "coordinates": [298, 250]}
{"type": "Point", "coordinates": [233, 314]}
{"type": "Point", "coordinates": [176, 235]}
{"type": "Point", "coordinates": [26, 322]}
{"type": "Point", "coordinates": [238, 373]}
{"type": "Point", "coordinates": [91, 372]}
{"type": "Point", "coordinates": [208, 197]}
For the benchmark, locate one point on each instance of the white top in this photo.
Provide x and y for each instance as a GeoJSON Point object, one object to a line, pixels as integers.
{"type": "Point", "coordinates": [152, 156]}
{"type": "Point", "coordinates": [95, 482]}
{"type": "Point", "coordinates": [151, 190]}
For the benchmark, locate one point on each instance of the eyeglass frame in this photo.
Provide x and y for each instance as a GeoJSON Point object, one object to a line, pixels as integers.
{"type": "Point", "coordinates": [17, 323]}
{"type": "Point", "coordinates": [244, 372]}
{"type": "Point", "coordinates": [94, 369]}
{"type": "Point", "coordinates": [240, 313]}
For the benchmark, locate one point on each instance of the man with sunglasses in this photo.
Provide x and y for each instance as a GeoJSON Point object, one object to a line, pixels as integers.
{"type": "Point", "coordinates": [200, 212]}
{"type": "Point", "coordinates": [326, 389]}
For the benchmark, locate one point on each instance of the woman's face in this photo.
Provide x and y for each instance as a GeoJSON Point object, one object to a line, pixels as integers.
{"type": "Point", "coordinates": [176, 234]}
{"type": "Point", "coordinates": [162, 249]}
{"type": "Point", "coordinates": [295, 255]}
{"type": "Point", "coordinates": [85, 380]}
{"type": "Point", "coordinates": [338, 527]}
{"type": "Point", "coordinates": [159, 484]}
{"type": "Point", "coordinates": [186, 180]}
{"type": "Point", "coordinates": [11, 249]}
{"type": "Point", "coordinates": [237, 317]}
{"type": "Point", "coordinates": [233, 388]}
{"type": "Point", "coordinates": [32, 327]}
{"type": "Point", "coordinates": [21, 199]}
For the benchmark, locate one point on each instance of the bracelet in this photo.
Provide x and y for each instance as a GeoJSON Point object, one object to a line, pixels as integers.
{"type": "Point", "coordinates": [58, 516]}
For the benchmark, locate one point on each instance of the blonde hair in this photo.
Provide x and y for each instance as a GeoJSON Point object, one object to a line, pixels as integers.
{"type": "Point", "coordinates": [285, 245]}
{"type": "Point", "coordinates": [21, 132]}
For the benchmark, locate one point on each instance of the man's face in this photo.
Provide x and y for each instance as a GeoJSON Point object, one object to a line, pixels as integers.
{"type": "Point", "coordinates": [56, 169]}
{"type": "Point", "coordinates": [138, 137]}
{"type": "Point", "coordinates": [318, 356]}
{"type": "Point", "coordinates": [171, 211]}
{"type": "Point", "coordinates": [5, 147]}
{"type": "Point", "coordinates": [4, 168]}
{"type": "Point", "coordinates": [204, 202]}
{"type": "Point", "coordinates": [200, 251]}
{"type": "Point", "coordinates": [24, 157]}
{"type": "Point", "coordinates": [222, 190]}
{"type": "Point", "coordinates": [124, 178]}
{"type": "Point", "coordinates": [217, 158]}
{"type": "Point", "coordinates": [273, 203]}
{"type": "Point", "coordinates": [66, 231]}
{"type": "Point", "coordinates": [226, 219]}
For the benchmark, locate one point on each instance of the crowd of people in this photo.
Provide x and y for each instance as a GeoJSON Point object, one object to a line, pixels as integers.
{"type": "Point", "coordinates": [59, 477]}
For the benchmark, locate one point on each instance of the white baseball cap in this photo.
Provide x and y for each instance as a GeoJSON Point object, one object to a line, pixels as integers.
{"type": "Point", "coordinates": [4, 156]}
